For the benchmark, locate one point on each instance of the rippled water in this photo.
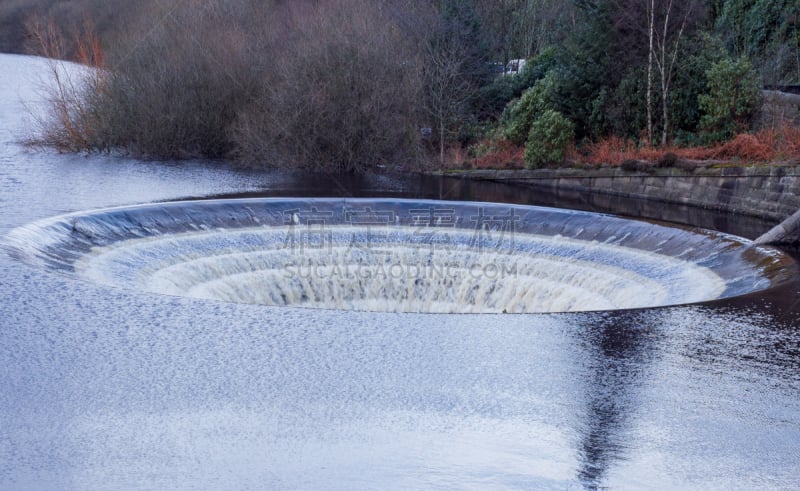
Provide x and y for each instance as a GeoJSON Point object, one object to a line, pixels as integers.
{"type": "Point", "coordinates": [105, 387]}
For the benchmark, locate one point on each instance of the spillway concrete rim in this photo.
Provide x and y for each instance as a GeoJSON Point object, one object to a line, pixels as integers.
{"type": "Point", "coordinates": [780, 260]}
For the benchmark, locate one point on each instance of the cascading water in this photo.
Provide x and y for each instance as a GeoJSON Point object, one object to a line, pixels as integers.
{"type": "Point", "coordinates": [398, 255]}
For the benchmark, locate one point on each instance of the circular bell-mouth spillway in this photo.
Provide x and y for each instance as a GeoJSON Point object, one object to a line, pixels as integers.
{"type": "Point", "coordinates": [398, 255]}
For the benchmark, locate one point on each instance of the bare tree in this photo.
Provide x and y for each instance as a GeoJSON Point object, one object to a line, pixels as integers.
{"type": "Point", "coordinates": [651, 26]}
{"type": "Point", "coordinates": [672, 24]}
{"type": "Point", "coordinates": [69, 121]}
{"type": "Point", "coordinates": [454, 62]}
{"type": "Point", "coordinates": [522, 28]}
{"type": "Point", "coordinates": [541, 23]}
{"type": "Point", "coordinates": [664, 24]}
{"type": "Point", "coordinates": [342, 93]}
{"type": "Point", "coordinates": [447, 90]}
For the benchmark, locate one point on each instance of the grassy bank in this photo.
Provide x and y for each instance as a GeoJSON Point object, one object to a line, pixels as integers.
{"type": "Point", "coordinates": [780, 144]}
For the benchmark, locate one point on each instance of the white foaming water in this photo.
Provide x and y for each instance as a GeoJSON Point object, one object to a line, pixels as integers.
{"type": "Point", "coordinates": [389, 269]}
{"type": "Point", "coordinates": [411, 256]}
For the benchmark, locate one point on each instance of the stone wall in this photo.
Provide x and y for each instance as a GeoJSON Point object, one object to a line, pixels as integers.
{"type": "Point", "coordinates": [768, 192]}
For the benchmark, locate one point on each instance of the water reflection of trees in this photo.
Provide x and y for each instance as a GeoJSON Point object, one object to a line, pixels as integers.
{"type": "Point", "coordinates": [618, 351]}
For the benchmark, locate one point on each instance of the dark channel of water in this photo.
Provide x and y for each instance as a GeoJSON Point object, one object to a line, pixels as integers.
{"type": "Point", "coordinates": [108, 389]}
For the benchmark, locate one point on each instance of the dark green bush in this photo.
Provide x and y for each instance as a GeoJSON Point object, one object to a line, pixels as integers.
{"type": "Point", "coordinates": [548, 139]}
{"type": "Point", "coordinates": [492, 98]}
{"type": "Point", "coordinates": [520, 115]}
{"type": "Point", "coordinates": [731, 100]}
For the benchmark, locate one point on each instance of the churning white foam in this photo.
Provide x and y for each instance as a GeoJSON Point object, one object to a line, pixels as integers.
{"type": "Point", "coordinates": [390, 269]}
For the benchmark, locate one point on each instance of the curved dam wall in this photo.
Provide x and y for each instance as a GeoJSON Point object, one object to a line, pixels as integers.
{"type": "Point", "coordinates": [768, 192]}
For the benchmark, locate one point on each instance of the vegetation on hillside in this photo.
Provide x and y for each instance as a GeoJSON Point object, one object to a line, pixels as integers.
{"type": "Point", "coordinates": [347, 85]}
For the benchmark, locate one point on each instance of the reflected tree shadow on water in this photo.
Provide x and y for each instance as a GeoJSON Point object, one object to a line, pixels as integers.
{"type": "Point", "coordinates": [619, 349]}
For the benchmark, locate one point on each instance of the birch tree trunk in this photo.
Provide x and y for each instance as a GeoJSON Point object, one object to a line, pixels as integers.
{"type": "Point", "coordinates": [666, 59]}
{"type": "Point", "coordinates": [651, 31]}
{"type": "Point", "coordinates": [441, 142]}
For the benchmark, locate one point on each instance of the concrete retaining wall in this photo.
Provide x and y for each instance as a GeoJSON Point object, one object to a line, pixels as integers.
{"type": "Point", "coordinates": [769, 192]}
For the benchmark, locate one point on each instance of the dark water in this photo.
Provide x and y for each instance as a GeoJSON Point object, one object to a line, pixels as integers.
{"type": "Point", "coordinates": [106, 388]}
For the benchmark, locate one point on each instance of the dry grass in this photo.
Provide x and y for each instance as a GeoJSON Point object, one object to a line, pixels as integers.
{"type": "Point", "coordinates": [500, 154]}
{"type": "Point", "coordinates": [771, 144]}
